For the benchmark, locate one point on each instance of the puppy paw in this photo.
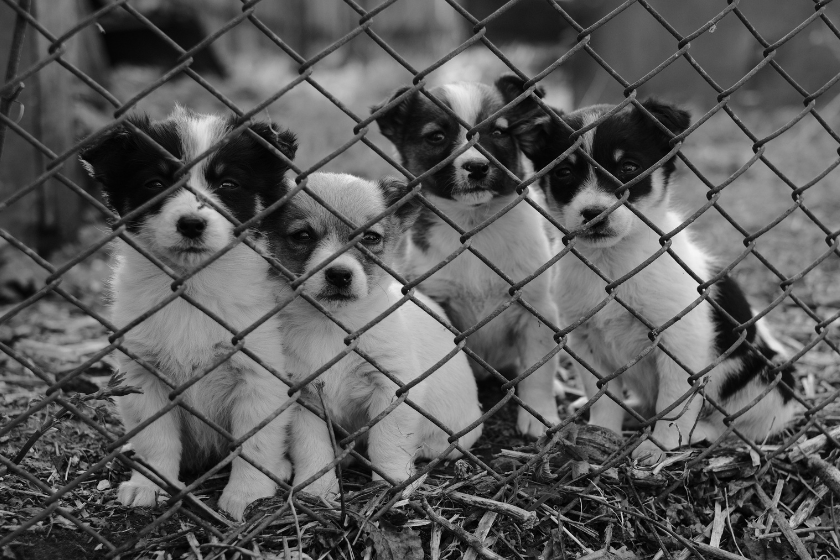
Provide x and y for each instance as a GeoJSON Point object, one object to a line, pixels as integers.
{"type": "Point", "coordinates": [648, 453]}
{"type": "Point", "coordinates": [235, 498]}
{"type": "Point", "coordinates": [142, 492]}
{"type": "Point", "coordinates": [529, 426]}
{"type": "Point", "coordinates": [284, 469]}
{"type": "Point", "coordinates": [324, 487]}
{"type": "Point", "coordinates": [136, 493]}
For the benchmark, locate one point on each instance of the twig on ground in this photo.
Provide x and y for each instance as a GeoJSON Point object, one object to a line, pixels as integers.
{"type": "Point", "coordinates": [811, 446]}
{"type": "Point", "coordinates": [806, 508]}
{"type": "Point", "coordinates": [784, 526]}
{"type": "Point", "coordinates": [827, 472]}
{"type": "Point", "coordinates": [718, 525]}
{"type": "Point", "coordinates": [527, 518]}
{"type": "Point", "coordinates": [434, 542]}
{"type": "Point", "coordinates": [718, 553]}
{"type": "Point", "coordinates": [193, 542]}
{"type": "Point", "coordinates": [481, 533]}
{"type": "Point", "coordinates": [467, 538]}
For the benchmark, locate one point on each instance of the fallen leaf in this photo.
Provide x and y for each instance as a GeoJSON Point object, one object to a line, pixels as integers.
{"type": "Point", "coordinates": [103, 484]}
{"type": "Point", "coordinates": [766, 549]}
{"type": "Point", "coordinates": [624, 554]}
{"type": "Point", "coordinates": [391, 544]}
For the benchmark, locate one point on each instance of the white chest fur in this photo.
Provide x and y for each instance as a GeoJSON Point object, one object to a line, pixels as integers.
{"type": "Point", "coordinates": [658, 292]}
{"type": "Point", "coordinates": [180, 337]}
{"type": "Point", "coordinates": [516, 243]}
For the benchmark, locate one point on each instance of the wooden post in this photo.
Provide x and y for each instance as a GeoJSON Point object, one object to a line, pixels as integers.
{"type": "Point", "coordinates": [50, 216]}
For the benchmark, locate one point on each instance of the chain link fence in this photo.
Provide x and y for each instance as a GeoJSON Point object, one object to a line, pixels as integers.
{"type": "Point", "coordinates": [563, 496]}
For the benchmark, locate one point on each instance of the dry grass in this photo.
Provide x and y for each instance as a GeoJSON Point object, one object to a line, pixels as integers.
{"type": "Point", "coordinates": [550, 499]}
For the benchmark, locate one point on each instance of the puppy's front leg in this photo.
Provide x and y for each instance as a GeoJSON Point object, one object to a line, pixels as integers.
{"type": "Point", "coordinates": [311, 451]}
{"type": "Point", "coordinates": [257, 397]}
{"type": "Point", "coordinates": [393, 441]}
{"type": "Point", "coordinates": [159, 443]}
{"type": "Point", "coordinates": [604, 412]}
{"type": "Point", "coordinates": [674, 432]}
{"type": "Point", "coordinates": [537, 390]}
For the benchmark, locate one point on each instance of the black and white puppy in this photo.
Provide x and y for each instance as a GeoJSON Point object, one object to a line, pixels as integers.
{"type": "Point", "coordinates": [406, 342]}
{"type": "Point", "coordinates": [469, 190]}
{"type": "Point", "coordinates": [182, 230]}
{"type": "Point", "coordinates": [626, 145]}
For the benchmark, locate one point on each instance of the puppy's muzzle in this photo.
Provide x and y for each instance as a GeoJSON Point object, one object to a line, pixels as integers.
{"type": "Point", "coordinates": [191, 226]}
{"type": "Point", "coordinates": [339, 276]}
{"type": "Point", "coordinates": [590, 213]}
{"type": "Point", "coordinates": [476, 169]}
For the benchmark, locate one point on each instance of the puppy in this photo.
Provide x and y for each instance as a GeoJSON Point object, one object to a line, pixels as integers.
{"type": "Point", "coordinates": [241, 177]}
{"type": "Point", "coordinates": [406, 342]}
{"type": "Point", "coordinates": [626, 145]}
{"type": "Point", "coordinates": [469, 189]}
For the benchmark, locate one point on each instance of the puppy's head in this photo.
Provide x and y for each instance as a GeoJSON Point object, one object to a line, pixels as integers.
{"type": "Point", "coordinates": [304, 235]}
{"type": "Point", "coordinates": [425, 135]}
{"type": "Point", "coordinates": [626, 145]}
{"type": "Point", "coordinates": [241, 177]}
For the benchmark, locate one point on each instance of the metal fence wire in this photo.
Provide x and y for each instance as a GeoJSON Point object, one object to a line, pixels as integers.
{"type": "Point", "coordinates": [56, 497]}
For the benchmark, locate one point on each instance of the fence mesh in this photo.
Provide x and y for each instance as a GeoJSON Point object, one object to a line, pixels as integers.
{"type": "Point", "coordinates": [554, 501]}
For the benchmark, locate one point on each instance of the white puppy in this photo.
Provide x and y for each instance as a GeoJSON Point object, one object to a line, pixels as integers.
{"type": "Point", "coordinates": [406, 342]}
{"type": "Point", "coordinates": [470, 190]}
{"type": "Point", "coordinates": [617, 242]}
{"type": "Point", "coordinates": [179, 340]}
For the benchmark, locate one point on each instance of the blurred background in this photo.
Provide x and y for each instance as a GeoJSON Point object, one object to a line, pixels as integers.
{"type": "Point", "coordinates": [247, 66]}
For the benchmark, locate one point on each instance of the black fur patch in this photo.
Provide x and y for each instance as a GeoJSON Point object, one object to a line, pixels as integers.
{"type": "Point", "coordinates": [731, 298]}
{"type": "Point", "coordinates": [425, 221]}
{"type": "Point", "coordinates": [125, 162]}
{"type": "Point", "coordinates": [128, 165]}
{"type": "Point", "coordinates": [282, 227]}
{"type": "Point", "coordinates": [393, 190]}
{"type": "Point", "coordinates": [410, 124]}
{"type": "Point", "coordinates": [642, 142]}
{"type": "Point", "coordinates": [257, 172]}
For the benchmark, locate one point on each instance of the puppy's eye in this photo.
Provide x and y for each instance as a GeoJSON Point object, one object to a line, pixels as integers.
{"type": "Point", "coordinates": [155, 185]}
{"type": "Point", "coordinates": [498, 132]}
{"type": "Point", "coordinates": [228, 184]}
{"type": "Point", "coordinates": [435, 137]}
{"type": "Point", "coordinates": [628, 167]}
{"type": "Point", "coordinates": [371, 238]}
{"type": "Point", "coordinates": [562, 172]}
{"type": "Point", "coordinates": [301, 236]}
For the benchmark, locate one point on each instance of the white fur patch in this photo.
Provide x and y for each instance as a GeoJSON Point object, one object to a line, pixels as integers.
{"type": "Point", "coordinates": [470, 155]}
{"type": "Point", "coordinates": [465, 99]}
{"type": "Point", "coordinates": [589, 135]}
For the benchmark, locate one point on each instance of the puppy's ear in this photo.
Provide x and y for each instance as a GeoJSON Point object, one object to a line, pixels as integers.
{"type": "Point", "coordinates": [527, 120]}
{"type": "Point", "coordinates": [393, 190]}
{"type": "Point", "coordinates": [392, 121]}
{"type": "Point", "coordinates": [675, 119]}
{"type": "Point", "coordinates": [101, 158]}
{"type": "Point", "coordinates": [281, 138]}
{"type": "Point", "coordinates": [511, 86]}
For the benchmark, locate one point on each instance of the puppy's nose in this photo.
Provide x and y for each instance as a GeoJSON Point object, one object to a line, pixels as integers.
{"type": "Point", "coordinates": [591, 212]}
{"type": "Point", "coordinates": [339, 276]}
{"type": "Point", "coordinates": [191, 226]}
{"type": "Point", "coordinates": [476, 168]}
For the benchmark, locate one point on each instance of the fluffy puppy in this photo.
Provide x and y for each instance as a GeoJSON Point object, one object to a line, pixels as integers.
{"type": "Point", "coordinates": [241, 177]}
{"type": "Point", "coordinates": [469, 189]}
{"type": "Point", "coordinates": [627, 144]}
{"type": "Point", "coordinates": [406, 342]}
